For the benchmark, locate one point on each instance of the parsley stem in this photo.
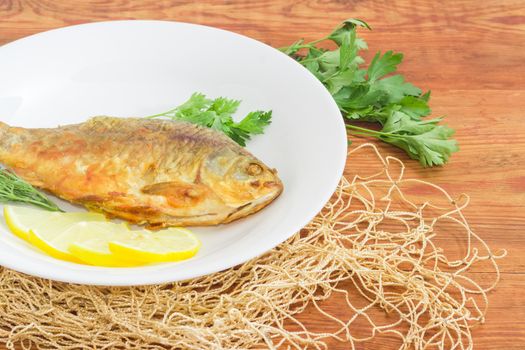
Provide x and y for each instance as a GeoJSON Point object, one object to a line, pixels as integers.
{"type": "Point", "coordinates": [366, 131]}
{"type": "Point", "coordinates": [318, 41]}
{"type": "Point", "coordinates": [161, 114]}
{"type": "Point", "coordinates": [370, 132]}
{"type": "Point", "coordinates": [309, 45]}
{"type": "Point", "coordinates": [331, 76]}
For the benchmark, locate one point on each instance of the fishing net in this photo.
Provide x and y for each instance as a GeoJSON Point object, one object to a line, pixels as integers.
{"type": "Point", "coordinates": [377, 246]}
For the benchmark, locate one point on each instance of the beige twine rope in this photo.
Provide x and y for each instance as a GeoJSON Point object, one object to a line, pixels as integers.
{"type": "Point", "coordinates": [370, 236]}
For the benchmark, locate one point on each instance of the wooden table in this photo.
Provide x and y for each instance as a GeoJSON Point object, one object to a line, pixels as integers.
{"type": "Point", "coordinates": [471, 54]}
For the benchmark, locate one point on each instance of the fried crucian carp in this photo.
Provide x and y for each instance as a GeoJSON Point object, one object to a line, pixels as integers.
{"type": "Point", "coordinates": [153, 172]}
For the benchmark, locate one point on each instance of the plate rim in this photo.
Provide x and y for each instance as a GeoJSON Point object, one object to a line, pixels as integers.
{"type": "Point", "coordinates": [230, 262]}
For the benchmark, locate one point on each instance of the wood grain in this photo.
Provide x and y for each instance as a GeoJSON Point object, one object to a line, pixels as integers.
{"type": "Point", "coordinates": [469, 53]}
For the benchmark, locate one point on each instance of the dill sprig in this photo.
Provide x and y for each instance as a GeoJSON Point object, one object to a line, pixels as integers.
{"type": "Point", "coordinates": [14, 189]}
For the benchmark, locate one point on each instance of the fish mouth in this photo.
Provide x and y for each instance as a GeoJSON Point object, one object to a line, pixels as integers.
{"type": "Point", "coordinates": [253, 206]}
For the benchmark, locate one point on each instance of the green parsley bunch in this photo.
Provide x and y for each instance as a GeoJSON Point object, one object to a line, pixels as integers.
{"type": "Point", "coordinates": [376, 94]}
{"type": "Point", "coordinates": [372, 94]}
{"type": "Point", "coordinates": [217, 114]}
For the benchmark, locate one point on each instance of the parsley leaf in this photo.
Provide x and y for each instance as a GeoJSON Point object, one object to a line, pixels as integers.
{"type": "Point", "coordinates": [396, 88]}
{"type": "Point", "coordinates": [423, 140]}
{"type": "Point", "coordinates": [218, 114]}
{"type": "Point", "coordinates": [376, 94]}
{"type": "Point", "coordinates": [255, 122]}
{"type": "Point", "coordinates": [413, 106]}
{"type": "Point", "coordinates": [383, 65]}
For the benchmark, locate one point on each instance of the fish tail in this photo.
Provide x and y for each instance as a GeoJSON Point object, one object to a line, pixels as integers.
{"type": "Point", "coordinates": [3, 128]}
{"type": "Point", "coordinates": [4, 134]}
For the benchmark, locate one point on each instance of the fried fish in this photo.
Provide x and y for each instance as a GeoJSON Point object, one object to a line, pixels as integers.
{"type": "Point", "coordinates": [153, 172]}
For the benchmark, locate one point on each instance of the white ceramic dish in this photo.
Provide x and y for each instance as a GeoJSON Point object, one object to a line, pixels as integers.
{"type": "Point", "coordinates": [138, 68]}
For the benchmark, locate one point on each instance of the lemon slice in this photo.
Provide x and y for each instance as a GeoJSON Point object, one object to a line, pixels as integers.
{"type": "Point", "coordinates": [91, 246]}
{"type": "Point", "coordinates": [96, 252]}
{"type": "Point", "coordinates": [21, 219]}
{"type": "Point", "coordinates": [172, 244]}
{"type": "Point", "coordinates": [89, 238]}
{"type": "Point", "coordinates": [55, 236]}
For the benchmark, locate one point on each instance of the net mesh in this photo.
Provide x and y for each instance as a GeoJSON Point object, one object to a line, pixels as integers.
{"type": "Point", "coordinates": [379, 236]}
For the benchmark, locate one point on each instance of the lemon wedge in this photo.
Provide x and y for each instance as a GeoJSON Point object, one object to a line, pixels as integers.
{"type": "Point", "coordinates": [21, 219]}
{"type": "Point", "coordinates": [172, 244]}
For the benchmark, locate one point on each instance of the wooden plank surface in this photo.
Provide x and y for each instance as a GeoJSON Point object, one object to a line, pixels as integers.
{"type": "Point", "coordinates": [469, 53]}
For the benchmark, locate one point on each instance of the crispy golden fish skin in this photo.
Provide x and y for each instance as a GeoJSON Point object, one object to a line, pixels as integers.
{"type": "Point", "coordinates": [154, 172]}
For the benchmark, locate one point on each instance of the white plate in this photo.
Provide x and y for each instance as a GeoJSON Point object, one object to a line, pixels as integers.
{"type": "Point", "coordinates": [138, 68]}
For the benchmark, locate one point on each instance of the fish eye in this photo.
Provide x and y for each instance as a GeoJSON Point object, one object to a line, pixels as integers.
{"type": "Point", "coordinates": [254, 169]}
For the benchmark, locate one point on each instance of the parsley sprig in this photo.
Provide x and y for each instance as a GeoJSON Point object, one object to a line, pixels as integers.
{"type": "Point", "coordinates": [373, 94]}
{"type": "Point", "coordinates": [376, 94]}
{"type": "Point", "coordinates": [218, 114]}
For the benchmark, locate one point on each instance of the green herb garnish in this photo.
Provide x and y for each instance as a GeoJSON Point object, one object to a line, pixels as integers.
{"type": "Point", "coordinates": [14, 189]}
{"type": "Point", "coordinates": [376, 94]}
{"type": "Point", "coordinates": [218, 114]}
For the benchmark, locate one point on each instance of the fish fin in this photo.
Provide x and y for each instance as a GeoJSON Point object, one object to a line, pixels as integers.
{"type": "Point", "coordinates": [178, 194]}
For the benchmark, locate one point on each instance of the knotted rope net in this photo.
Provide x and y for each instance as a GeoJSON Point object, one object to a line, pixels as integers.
{"type": "Point", "coordinates": [376, 245]}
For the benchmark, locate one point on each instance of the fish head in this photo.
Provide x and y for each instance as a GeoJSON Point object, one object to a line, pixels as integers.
{"type": "Point", "coordinates": [240, 179]}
